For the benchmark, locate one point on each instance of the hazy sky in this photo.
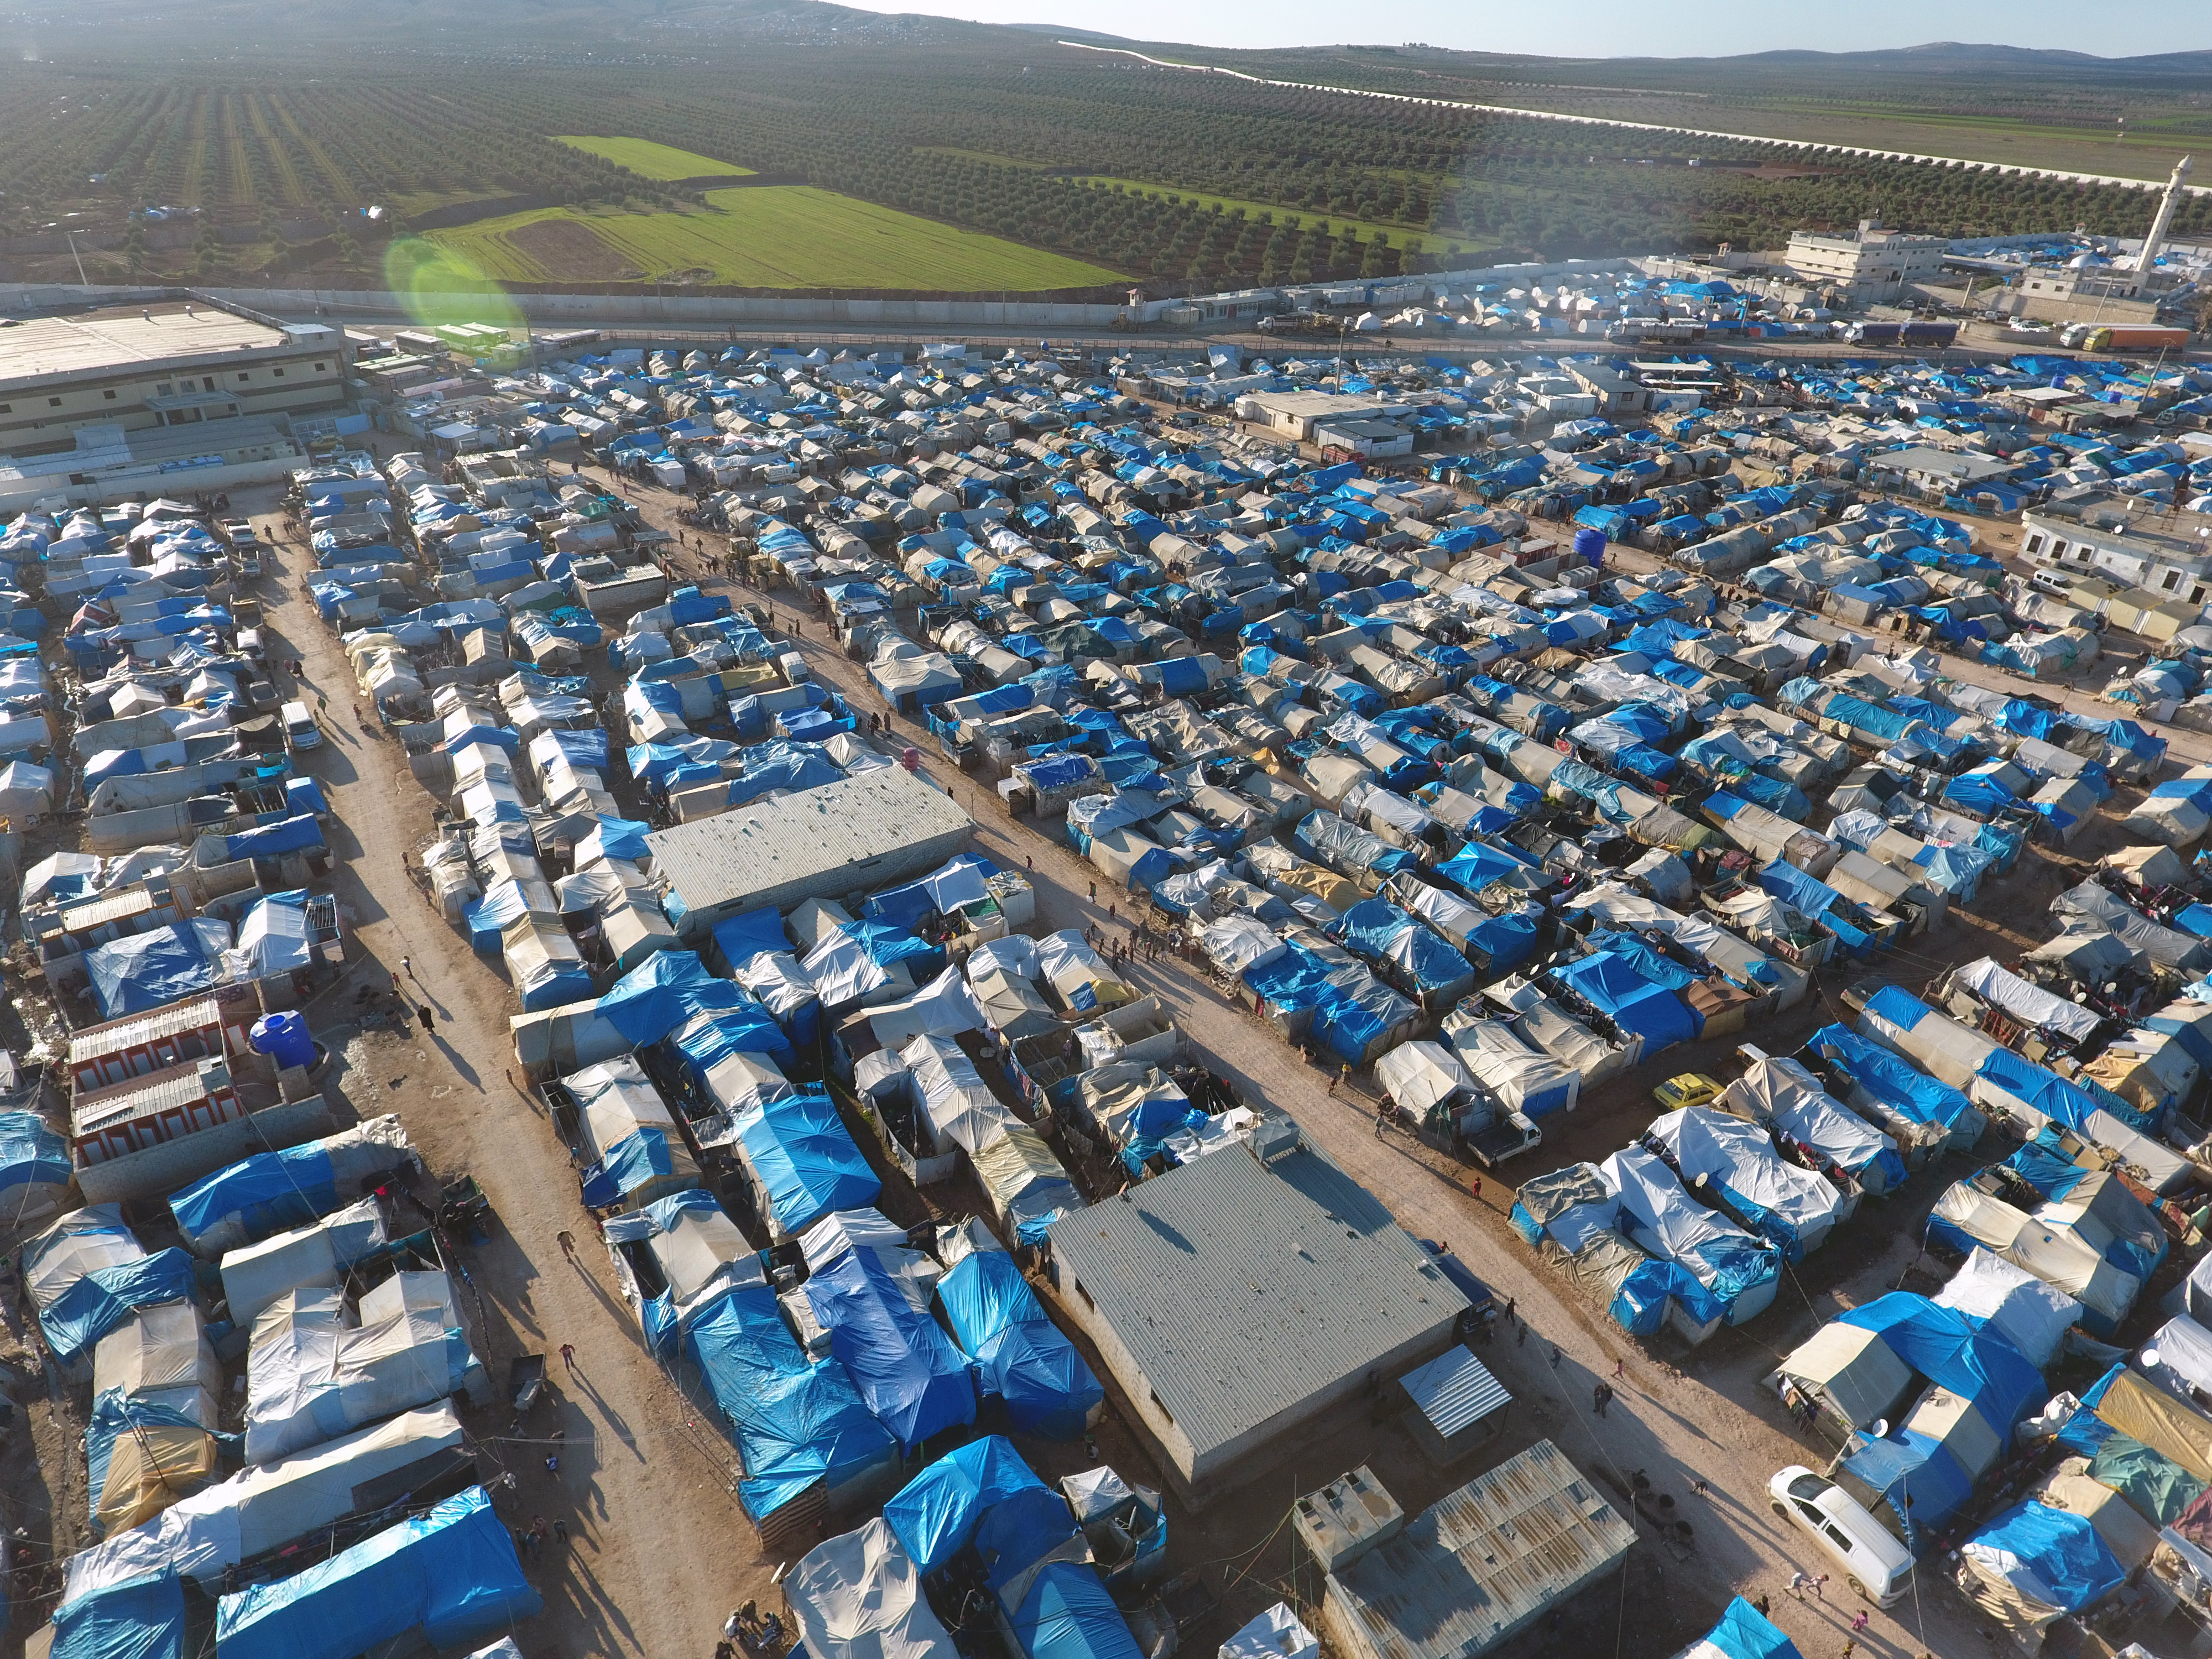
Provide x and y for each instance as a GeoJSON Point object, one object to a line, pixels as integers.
{"type": "Point", "coordinates": [1617, 28]}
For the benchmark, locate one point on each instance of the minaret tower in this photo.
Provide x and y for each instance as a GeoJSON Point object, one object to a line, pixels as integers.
{"type": "Point", "coordinates": [2147, 260]}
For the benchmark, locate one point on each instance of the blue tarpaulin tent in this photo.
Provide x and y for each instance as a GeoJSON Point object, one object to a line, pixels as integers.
{"type": "Point", "coordinates": [1611, 983]}
{"type": "Point", "coordinates": [152, 970]}
{"type": "Point", "coordinates": [1744, 1632]}
{"type": "Point", "coordinates": [31, 1154]}
{"type": "Point", "coordinates": [270, 1193]}
{"type": "Point", "coordinates": [1021, 1355]}
{"type": "Point", "coordinates": [1916, 1476]}
{"type": "Point", "coordinates": [805, 1157]}
{"type": "Point", "coordinates": [757, 932]}
{"type": "Point", "coordinates": [451, 1573]}
{"type": "Point", "coordinates": [140, 1619]}
{"type": "Point", "coordinates": [937, 1512]}
{"type": "Point", "coordinates": [103, 1298]}
{"type": "Point", "coordinates": [796, 1421]}
{"type": "Point", "coordinates": [906, 1368]}
{"type": "Point", "coordinates": [2050, 1555]}
{"type": "Point", "coordinates": [1067, 1615]}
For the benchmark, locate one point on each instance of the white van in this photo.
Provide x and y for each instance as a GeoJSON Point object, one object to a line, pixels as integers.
{"type": "Point", "coordinates": [300, 730]}
{"type": "Point", "coordinates": [1874, 1563]}
{"type": "Point", "coordinates": [2054, 581]}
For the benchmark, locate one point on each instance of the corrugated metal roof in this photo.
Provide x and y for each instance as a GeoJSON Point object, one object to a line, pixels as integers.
{"type": "Point", "coordinates": [184, 1085]}
{"type": "Point", "coordinates": [1242, 1289]}
{"type": "Point", "coordinates": [845, 834]}
{"type": "Point", "coordinates": [192, 1015]}
{"type": "Point", "coordinates": [1484, 1561]}
{"type": "Point", "coordinates": [1455, 1390]}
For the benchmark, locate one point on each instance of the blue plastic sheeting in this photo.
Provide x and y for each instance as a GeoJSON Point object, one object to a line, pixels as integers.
{"type": "Point", "coordinates": [639, 1157]}
{"type": "Point", "coordinates": [140, 1619]}
{"type": "Point", "coordinates": [152, 970]}
{"type": "Point", "coordinates": [2055, 1097]}
{"type": "Point", "coordinates": [487, 918]}
{"type": "Point", "coordinates": [757, 932]}
{"type": "Point", "coordinates": [937, 1512]}
{"type": "Point", "coordinates": [906, 1368]}
{"type": "Point", "coordinates": [805, 1157]}
{"type": "Point", "coordinates": [451, 1573]}
{"type": "Point", "coordinates": [31, 1154]}
{"type": "Point", "coordinates": [1917, 1477]}
{"type": "Point", "coordinates": [1896, 1084]}
{"type": "Point", "coordinates": [1477, 865]}
{"type": "Point", "coordinates": [271, 839]}
{"type": "Point", "coordinates": [796, 1421]}
{"type": "Point", "coordinates": [707, 1040]}
{"type": "Point", "coordinates": [269, 1193]}
{"type": "Point", "coordinates": [1744, 1633]}
{"type": "Point", "coordinates": [1067, 1615]}
{"type": "Point", "coordinates": [662, 992]}
{"type": "Point", "coordinates": [624, 838]}
{"type": "Point", "coordinates": [96, 1303]}
{"type": "Point", "coordinates": [304, 795]}
{"type": "Point", "coordinates": [770, 767]}
{"type": "Point", "coordinates": [1610, 983]}
{"type": "Point", "coordinates": [1960, 1354]}
{"type": "Point", "coordinates": [2046, 1169]}
{"type": "Point", "coordinates": [2066, 1564]}
{"type": "Point", "coordinates": [1025, 1359]}
{"type": "Point", "coordinates": [1639, 1306]}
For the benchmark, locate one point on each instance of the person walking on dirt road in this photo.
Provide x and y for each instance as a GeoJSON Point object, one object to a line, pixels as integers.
{"type": "Point", "coordinates": [568, 1357]}
{"type": "Point", "coordinates": [429, 1025]}
{"type": "Point", "coordinates": [567, 1240]}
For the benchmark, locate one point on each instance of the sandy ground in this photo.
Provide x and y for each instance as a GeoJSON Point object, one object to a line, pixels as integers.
{"type": "Point", "coordinates": [659, 1549]}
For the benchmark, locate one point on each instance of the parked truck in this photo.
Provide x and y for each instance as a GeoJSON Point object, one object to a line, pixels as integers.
{"type": "Point", "coordinates": [2125, 336]}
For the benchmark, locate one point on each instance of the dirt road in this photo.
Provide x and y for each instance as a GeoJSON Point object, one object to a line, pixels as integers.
{"type": "Point", "coordinates": [659, 1552]}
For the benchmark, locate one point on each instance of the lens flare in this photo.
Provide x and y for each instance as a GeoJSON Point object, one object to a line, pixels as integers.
{"type": "Point", "coordinates": [438, 286]}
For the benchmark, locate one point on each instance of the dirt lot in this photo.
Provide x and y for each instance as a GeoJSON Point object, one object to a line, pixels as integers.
{"type": "Point", "coordinates": [661, 1550]}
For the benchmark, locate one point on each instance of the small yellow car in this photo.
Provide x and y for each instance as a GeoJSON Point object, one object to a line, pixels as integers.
{"type": "Point", "coordinates": [1689, 1089]}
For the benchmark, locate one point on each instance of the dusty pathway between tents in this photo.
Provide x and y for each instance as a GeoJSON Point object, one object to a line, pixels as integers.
{"type": "Point", "coordinates": [659, 1550]}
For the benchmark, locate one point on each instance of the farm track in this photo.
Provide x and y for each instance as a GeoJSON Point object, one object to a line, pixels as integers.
{"type": "Point", "coordinates": [279, 158]}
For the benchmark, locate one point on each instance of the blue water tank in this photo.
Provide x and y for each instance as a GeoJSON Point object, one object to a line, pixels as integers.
{"type": "Point", "coordinates": [1589, 546]}
{"type": "Point", "coordinates": [284, 1038]}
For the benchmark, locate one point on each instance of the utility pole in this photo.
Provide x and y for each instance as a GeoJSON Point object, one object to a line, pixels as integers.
{"type": "Point", "coordinates": [83, 280]}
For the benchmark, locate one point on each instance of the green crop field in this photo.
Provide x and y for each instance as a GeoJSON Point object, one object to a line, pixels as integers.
{"type": "Point", "coordinates": [650, 161]}
{"type": "Point", "coordinates": [773, 236]}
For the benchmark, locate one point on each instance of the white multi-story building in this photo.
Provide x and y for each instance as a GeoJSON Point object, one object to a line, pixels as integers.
{"type": "Point", "coordinates": [2110, 541]}
{"type": "Point", "coordinates": [1869, 264]}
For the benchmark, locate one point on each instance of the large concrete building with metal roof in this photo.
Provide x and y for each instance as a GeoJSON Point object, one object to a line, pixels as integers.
{"type": "Point", "coordinates": [1237, 1297]}
{"type": "Point", "coordinates": [865, 832]}
{"type": "Point", "coordinates": [172, 362]}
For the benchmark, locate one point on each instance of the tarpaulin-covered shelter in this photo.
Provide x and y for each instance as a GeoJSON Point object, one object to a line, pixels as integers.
{"type": "Point", "coordinates": [802, 1161]}
{"type": "Point", "coordinates": [631, 1135]}
{"type": "Point", "coordinates": [2042, 1242]}
{"type": "Point", "coordinates": [147, 971]}
{"type": "Point", "coordinates": [1020, 1355]}
{"type": "Point", "coordinates": [35, 1170]}
{"type": "Point", "coordinates": [1064, 1612]}
{"type": "Point", "coordinates": [259, 1509]}
{"type": "Point", "coordinates": [906, 1368]}
{"type": "Point", "coordinates": [1608, 981]}
{"type": "Point", "coordinates": [858, 1596]}
{"type": "Point", "coordinates": [1790, 1100]}
{"type": "Point", "coordinates": [142, 1455]}
{"type": "Point", "coordinates": [451, 1573]}
{"type": "Point", "coordinates": [797, 1422]}
{"type": "Point", "coordinates": [1658, 1214]}
{"type": "Point", "coordinates": [2031, 1315]}
{"type": "Point", "coordinates": [1743, 1633]}
{"type": "Point", "coordinates": [935, 1515]}
{"type": "Point", "coordinates": [2034, 1565]}
{"type": "Point", "coordinates": [140, 1618]}
{"type": "Point", "coordinates": [1736, 1162]}
{"type": "Point", "coordinates": [270, 1192]}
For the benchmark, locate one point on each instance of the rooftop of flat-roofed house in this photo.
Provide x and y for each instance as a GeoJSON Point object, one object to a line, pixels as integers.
{"type": "Point", "coordinates": [118, 337]}
{"type": "Point", "coordinates": [1243, 1289]}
